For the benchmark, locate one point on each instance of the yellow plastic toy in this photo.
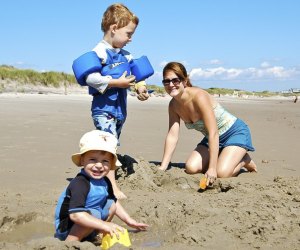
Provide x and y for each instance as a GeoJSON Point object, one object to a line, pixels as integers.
{"type": "Point", "coordinates": [108, 242]}
{"type": "Point", "coordinates": [202, 184]}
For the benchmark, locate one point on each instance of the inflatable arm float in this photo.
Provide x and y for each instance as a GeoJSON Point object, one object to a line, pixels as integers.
{"type": "Point", "coordinates": [90, 63]}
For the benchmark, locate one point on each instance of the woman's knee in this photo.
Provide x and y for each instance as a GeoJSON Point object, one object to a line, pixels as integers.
{"type": "Point", "coordinates": [192, 167]}
{"type": "Point", "coordinates": [197, 161]}
{"type": "Point", "coordinates": [224, 171]}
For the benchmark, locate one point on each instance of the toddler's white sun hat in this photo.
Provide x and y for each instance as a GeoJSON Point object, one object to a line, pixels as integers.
{"type": "Point", "coordinates": [97, 140]}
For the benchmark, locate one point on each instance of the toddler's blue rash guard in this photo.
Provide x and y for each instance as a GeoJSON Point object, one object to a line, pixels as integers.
{"type": "Point", "coordinates": [83, 194]}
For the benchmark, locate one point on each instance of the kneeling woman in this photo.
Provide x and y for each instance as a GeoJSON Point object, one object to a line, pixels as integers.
{"type": "Point", "coordinates": [223, 151]}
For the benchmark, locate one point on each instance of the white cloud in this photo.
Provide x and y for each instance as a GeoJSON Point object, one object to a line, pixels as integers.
{"type": "Point", "coordinates": [265, 64]}
{"type": "Point", "coordinates": [163, 64]}
{"type": "Point", "coordinates": [19, 63]}
{"type": "Point", "coordinates": [215, 62]}
{"type": "Point", "coordinates": [265, 72]}
{"type": "Point", "coordinates": [215, 73]}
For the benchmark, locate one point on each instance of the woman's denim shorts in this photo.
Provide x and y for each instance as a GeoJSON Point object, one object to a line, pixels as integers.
{"type": "Point", "coordinates": [238, 135]}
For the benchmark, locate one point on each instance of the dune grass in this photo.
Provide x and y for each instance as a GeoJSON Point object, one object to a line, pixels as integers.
{"type": "Point", "coordinates": [28, 76]}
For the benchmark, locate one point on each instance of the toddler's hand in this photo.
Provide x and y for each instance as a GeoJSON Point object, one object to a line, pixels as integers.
{"type": "Point", "coordinates": [113, 229]}
{"type": "Point", "coordinates": [137, 225]}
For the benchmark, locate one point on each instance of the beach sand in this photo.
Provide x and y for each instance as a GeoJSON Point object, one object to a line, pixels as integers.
{"type": "Point", "coordinates": [252, 211]}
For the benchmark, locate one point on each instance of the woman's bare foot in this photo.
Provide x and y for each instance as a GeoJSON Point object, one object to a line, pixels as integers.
{"type": "Point", "coordinates": [119, 194]}
{"type": "Point", "coordinates": [251, 167]}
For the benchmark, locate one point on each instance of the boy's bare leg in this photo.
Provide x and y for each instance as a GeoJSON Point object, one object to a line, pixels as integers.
{"type": "Point", "coordinates": [117, 192]}
{"type": "Point", "coordinates": [112, 212]}
{"type": "Point", "coordinates": [78, 233]}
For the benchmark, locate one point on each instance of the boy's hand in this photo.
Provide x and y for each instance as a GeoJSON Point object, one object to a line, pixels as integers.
{"type": "Point", "coordinates": [124, 81]}
{"type": "Point", "coordinates": [112, 228]}
{"type": "Point", "coordinates": [140, 226]}
{"type": "Point", "coordinates": [142, 93]}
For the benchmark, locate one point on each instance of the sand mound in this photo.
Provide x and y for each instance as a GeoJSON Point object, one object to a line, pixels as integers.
{"type": "Point", "coordinates": [235, 211]}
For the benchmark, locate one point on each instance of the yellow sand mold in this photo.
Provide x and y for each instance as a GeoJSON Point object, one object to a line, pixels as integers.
{"type": "Point", "coordinates": [108, 242]}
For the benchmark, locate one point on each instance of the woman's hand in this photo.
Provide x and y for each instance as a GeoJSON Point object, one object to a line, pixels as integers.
{"type": "Point", "coordinates": [211, 176]}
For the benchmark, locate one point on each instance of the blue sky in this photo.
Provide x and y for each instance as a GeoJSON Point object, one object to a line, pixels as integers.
{"type": "Point", "coordinates": [243, 44]}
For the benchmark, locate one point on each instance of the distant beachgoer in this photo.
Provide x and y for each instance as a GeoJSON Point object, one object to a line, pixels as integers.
{"type": "Point", "coordinates": [223, 151]}
{"type": "Point", "coordinates": [88, 204]}
{"type": "Point", "coordinates": [296, 99]}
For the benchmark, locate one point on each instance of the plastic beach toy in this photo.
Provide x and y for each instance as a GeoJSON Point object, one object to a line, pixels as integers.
{"type": "Point", "coordinates": [202, 184]}
{"type": "Point", "coordinates": [108, 242]}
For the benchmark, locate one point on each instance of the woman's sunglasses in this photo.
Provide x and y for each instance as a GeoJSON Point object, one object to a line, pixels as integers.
{"type": "Point", "coordinates": [175, 81]}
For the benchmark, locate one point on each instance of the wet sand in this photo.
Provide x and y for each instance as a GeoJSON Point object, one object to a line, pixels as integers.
{"type": "Point", "coordinates": [40, 132]}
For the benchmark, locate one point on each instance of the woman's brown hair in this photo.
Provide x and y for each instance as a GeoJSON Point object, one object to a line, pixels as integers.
{"type": "Point", "coordinates": [179, 70]}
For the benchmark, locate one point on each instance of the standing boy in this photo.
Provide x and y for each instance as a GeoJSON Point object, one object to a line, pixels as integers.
{"type": "Point", "coordinates": [109, 86]}
{"type": "Point", "coordinates": [88, 204]}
